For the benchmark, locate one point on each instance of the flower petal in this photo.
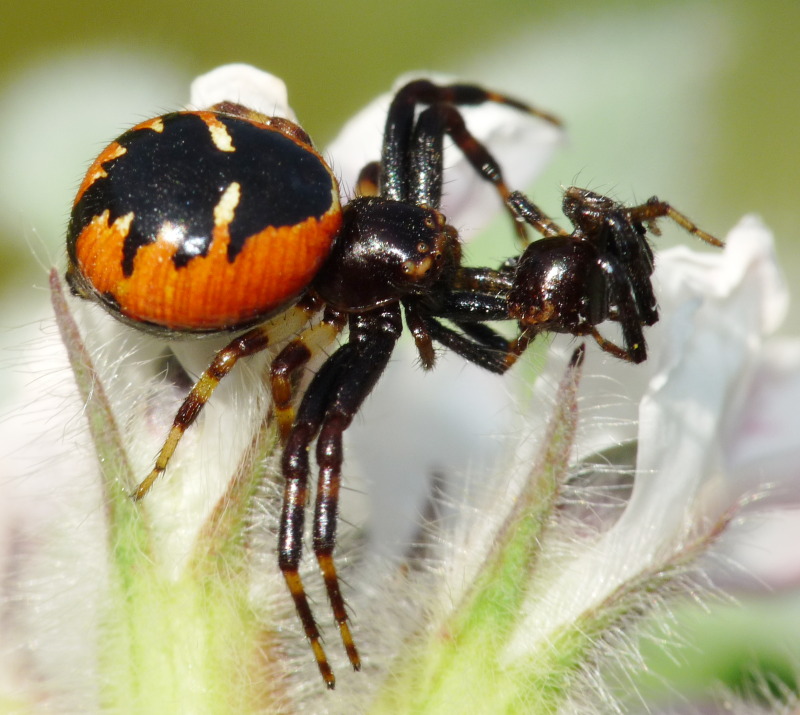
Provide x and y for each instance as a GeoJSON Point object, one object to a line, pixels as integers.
{"type": "Point", "coordinates": [763, 443]}
{"type": "Point", "coordinates": [717, 309]}
{"type": "Point", "coordinates": [245, 85]}
{"type": "Point", "coordinates": [724, 306]}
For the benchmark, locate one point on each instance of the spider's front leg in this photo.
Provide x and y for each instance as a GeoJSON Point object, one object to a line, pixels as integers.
{"type": "Point", "coordinates": [411, 158]}
{"type": "Point", "coordinates": [334, 396]}
{"type": "Point", "coordinates": [400, 119]}
{"type": "Point", "coordinates": [654, 209]}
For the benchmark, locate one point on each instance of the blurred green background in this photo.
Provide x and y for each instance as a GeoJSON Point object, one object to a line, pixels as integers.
{"type": "Point", "coordinates": [697, 102]}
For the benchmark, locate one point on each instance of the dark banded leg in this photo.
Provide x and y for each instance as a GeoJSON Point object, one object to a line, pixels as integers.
{"type": "Point", "coordinates": [394, 181]}
{"type": "Point", "coordinates": [293, 358]}
{"type": "Point", "coordinates": [426, 158]}
{"type": "Point", "coordinates": [484, 335]}
{"type": "Point", "coordinates": [470, 310]}
{"type": "Point", "coordinates": [631, 267]}
{"type": "Point", "coordinates": [531, 214]}
{"type": "Point", "coordinates": [654, 209]}
{"type": "Point", "coordinates": [327, 408]}
{"type": "Point", "coordinates": [295, 469]}
{"type": "Point", "coordinates": [476, 352]}
{"type": "Point", "coordinates": [326, 514]}
{"type": "Point", "coordinates": [486, 280]}
{"type": "Point", "coordinates": [368, 180]}
{"type": "Point", "coordinates": [631, 355]}
{"type": "Point", "coordinates": [635, 306]}
{"type": "Point", "coordinates": [251, 342]}
{"type": "Point", "coordinates": [422, 338]}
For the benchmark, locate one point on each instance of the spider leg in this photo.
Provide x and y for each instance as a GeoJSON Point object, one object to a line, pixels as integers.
{"type": "Point", "coordinates": [422, 337]}
{"type": "Point", "coordinates": [477, 343]}
{"type": "Point", "coordinates": [627, 243]}
{"type": "Point", "coordinates": [481, 355]}
{"type": "Point", "coordinates": [512, 349]}
{"type": "Point", "coordinates": [333, 398]}
{"type": "Point", "coordinates": [485, 280]}
{"type": "Point", "coordinates": [295, 469]}
{"type": "Point", "coordinates": [612, 348]}
{"type": "Point", "coordinates": [525, 210]}
{"type": "Point", "coordinates": [426, 159]}
{"type": "Point", "coordinates": [483, 334]}
{"type": "Point", "coordinates": [395, 177]}
{"type": "Point", "coordinates": [253, 341]}
{"type": "Point", "coordinates": [292, 358]}
{"type": "Point", "coordinates": [622, 293]}
{"type": "Point", "coordinates": [469, 310]}
{"type": "Point", "coordinates": [472, 306]}
{"type": "Point", "coordinates": [368, 178]}
{"type": "Point", "coordinates": [654, 209]}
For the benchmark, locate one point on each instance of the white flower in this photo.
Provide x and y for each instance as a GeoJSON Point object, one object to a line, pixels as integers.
{"type": "Point", "coordinates": [245, 85]}
{"type": "Point", "coordinates": [518, 605]}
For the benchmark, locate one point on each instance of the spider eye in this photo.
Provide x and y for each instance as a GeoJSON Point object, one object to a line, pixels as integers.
{"type": "Point", "coordinates": [430, 222]}
{"type": "Point", "coordinates": [423, 247]}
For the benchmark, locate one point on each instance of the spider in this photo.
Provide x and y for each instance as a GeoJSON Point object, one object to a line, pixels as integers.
{"type": "Point", "coordinates": [228, 220]}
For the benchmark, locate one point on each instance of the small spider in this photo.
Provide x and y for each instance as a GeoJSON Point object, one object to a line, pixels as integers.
{"type": "Point", "coordinates": [221, 220]}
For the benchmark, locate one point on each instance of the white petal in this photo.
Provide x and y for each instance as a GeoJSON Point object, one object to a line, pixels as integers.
{"type": "Point", "coordinates": [245, 85]}
{"type": "Point", "coordinates": [763, 441]}
{"type": "Point", "coordinates": [724, 306]}
{"type": "Point", "coordinates": [722, 303]}
{"type": "Point", "coordinates": [520, 142]}
{"type": "Point", "coordinates": [764, 548]}
{"type": "Point", "coordinates": [762, 457]}
{"type": "Point", "coordinates": [749, 250]}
